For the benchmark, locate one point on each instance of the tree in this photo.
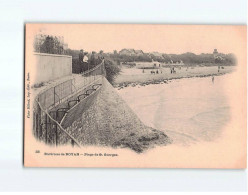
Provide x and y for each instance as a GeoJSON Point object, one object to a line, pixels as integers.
{"type": "Point", "coordinates": [50, 45]}
{"type": "Point", "coordinates": [73, 53]}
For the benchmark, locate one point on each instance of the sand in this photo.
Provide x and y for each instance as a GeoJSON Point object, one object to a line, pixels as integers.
{"type": "Point", "coordinates": [135, 76]}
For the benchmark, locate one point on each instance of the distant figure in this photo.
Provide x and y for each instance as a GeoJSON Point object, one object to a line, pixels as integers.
{"type": "Point", "coordinates": [100, 55]}
{"type": "Point", "coordinates": [143, 70]}
{"type": "Point", "coordinates": [157, 72]}
{"type": "Point", "coordinates": [212, 79]}
{"type": "Point", "coordinates": [92, 59]}
{"type": "Point", "coordinates": [85, 62]}
{"type": "Point", "coordinates": [173, 71]}
{"type": "Point", "coordinates": [81, 62]}
{"type": "Point", "coordinates": [81, 56]}
{"type": "Point", "coordinates": [161, 71]}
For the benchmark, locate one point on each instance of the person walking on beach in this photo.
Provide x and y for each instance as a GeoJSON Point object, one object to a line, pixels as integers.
{"type": "Point", "coordinates": [212, 79]}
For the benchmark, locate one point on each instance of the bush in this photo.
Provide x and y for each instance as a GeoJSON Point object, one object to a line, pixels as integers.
{"type": "Point", "coordinates": [38, 85]}
{"type": "Point", "coordinates": [112, 70]}
{"type": "Point", "coordinates": [76, 67]}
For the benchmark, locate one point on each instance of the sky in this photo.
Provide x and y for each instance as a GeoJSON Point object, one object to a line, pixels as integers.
{"type": "Point", "coordinates": [149, 38]}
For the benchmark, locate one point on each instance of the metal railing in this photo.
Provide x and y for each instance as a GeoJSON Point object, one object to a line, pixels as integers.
{"type": "Point", "coordinates": [47, 119]}
{"type": "Point", "coordinates": [55, 95]}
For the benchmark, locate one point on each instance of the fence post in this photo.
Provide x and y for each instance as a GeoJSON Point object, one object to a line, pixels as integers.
{"type": "Point", "coordinates": [36, 126]}
{"type": "Point", "coordinates": [34, 121]}
{"type": "Point", "coordinates": [71, 86]}
{"type": "Point", "coordinates": [56, 131]}
{"type": "Point", "coordinates": [39, 123]}
{"type": "Point", "coordinates": [46, 128]}
{"type": "Point", "coordinates": [54, 100]}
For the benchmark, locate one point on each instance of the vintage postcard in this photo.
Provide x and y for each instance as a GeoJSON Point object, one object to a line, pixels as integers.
{"type": "Point", "coordinates": [135, 96]}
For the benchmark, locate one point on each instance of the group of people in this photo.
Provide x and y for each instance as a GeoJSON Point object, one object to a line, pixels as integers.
{"type": "Point", "coordinates": [88, 61]}
{"type": "Point", "coordinates": [220, 67]}
{"type": "Point", "coordinates": [153, 71]}
{"type": "Point", "coordinates": [173, 71]}
{"type": "Point", "coordinates": [156, 72]}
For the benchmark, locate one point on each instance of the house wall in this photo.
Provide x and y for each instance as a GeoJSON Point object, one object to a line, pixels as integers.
{"type": "Point", "coordinates": [147, 64]}
{"type": "Point", "coordinates": [51, 66]}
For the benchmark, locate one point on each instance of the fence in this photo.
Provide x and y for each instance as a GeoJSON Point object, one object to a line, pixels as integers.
{"type": "Point", "coordinates": [48, 129]}
{"type": "Point", "coordinates": [53, 104]}
{"type": "Point", "coordinates": [55, 95]}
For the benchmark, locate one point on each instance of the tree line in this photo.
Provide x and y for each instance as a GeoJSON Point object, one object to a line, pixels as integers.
{"type": "Point", "coordinates": [186, 58]}
{"type": "Point", "coordinates": [52, 45]}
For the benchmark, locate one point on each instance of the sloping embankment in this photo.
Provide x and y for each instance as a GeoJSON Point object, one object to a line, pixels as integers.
{"type": "Point", "coordinates": [109, 121]}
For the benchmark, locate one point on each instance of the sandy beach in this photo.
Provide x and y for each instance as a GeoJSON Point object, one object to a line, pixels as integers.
{"type": "Point", "coordinates": [135, 76]}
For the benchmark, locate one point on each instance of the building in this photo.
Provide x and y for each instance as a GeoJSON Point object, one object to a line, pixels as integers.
{"type": "Point", "coordinates": [65, 46]}
{"type": "Point", "coordinates": [139, 52]}
{"type": "Point", "coordinates": [131, 52]}
{"type": "Point", "coordinates": [176, 63]}
{"type": "Point", "coordinates": [127, 52]}
{"type": "Point", "coordinates": [153, 64]}
{"type": "Point", "coordinates": [215, 53]}
{"type": "Point", "coordinates": [157, 54]}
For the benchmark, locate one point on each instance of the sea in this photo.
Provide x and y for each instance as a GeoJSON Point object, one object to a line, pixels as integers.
{"type": "Point", "coordinates": [188, 110]}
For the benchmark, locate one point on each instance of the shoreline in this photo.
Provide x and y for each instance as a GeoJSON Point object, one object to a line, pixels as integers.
{"type": "Point", "coordinates": [156, 81]}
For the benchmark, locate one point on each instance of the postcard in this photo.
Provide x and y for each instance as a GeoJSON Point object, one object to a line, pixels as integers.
{"type": "Point", "coordinates": [135, 96]}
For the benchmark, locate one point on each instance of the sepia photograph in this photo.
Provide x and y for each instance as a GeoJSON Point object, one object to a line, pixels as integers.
{"type": "Point", "coordinates": [147, 95]}
{"type": "Point", "coordinates": [123, 96]}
